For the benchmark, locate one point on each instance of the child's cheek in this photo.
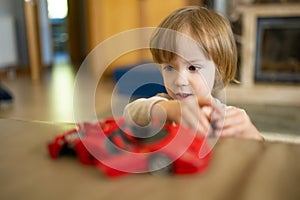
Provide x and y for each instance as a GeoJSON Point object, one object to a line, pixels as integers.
{"type": "Point", "coordinates": [208, 75]}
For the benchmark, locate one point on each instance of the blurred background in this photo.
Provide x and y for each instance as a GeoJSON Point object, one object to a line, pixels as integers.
{"type": "Point", "coordinates": [44, 42]}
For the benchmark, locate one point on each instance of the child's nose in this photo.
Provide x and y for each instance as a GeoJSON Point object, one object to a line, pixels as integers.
{"type": "Point", "coordinates": [181, 80]}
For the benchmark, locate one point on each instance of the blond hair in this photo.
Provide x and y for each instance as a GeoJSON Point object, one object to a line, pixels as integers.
{"type": "Point", "coordinates": [212, 31]}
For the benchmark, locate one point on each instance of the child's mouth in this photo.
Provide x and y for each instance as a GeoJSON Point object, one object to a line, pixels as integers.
{"type": "Point", "coordinates": [181, 96]}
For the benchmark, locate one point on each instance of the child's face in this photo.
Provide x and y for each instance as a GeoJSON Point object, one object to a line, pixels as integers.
{"type": "Point", "coordinates": [191, 74]}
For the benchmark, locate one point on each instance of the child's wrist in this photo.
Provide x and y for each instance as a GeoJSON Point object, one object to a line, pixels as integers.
{"type": "Point", "coordinates": [159, 113]}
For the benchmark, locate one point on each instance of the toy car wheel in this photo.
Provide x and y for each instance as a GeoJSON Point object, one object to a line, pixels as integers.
{"type": "Point", "coordinates": [160, 164]}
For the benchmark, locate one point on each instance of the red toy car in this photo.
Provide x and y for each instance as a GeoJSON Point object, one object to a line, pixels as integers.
{"type": "Point", "coordinates": [118, 148]}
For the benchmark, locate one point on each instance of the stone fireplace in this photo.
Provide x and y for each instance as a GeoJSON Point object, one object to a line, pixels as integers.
{"type": "Point", "coordinates": [277, 57]}
{"type": "Point", "coordinates": [270, 43]}
{"type": "Point", "coordinates": [269, 55]}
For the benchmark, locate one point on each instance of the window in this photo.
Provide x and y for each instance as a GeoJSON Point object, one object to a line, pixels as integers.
{"type": "Point", "coordinates": [57, 9]}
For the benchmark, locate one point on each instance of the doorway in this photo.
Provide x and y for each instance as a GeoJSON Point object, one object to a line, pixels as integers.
{"type": "Point", "coordinates": [57, 14]}
{"type": "Point", "coordinates": [68, 17]}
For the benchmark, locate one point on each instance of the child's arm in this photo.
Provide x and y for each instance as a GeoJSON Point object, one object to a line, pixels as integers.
{"type": "Point", "coordinates": [191, 112]}
{"type": "Point", "coordinates": [194, 113]}
{"type": "Point", "coordinates": [139, 111]}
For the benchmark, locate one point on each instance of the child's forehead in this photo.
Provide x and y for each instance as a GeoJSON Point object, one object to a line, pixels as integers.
{"type": "Point", "coordinates": [183, 43]}
{"type": "Point", "coordinates": [186, 46]}
{"type": "Point", "coordinates": [190, 50]}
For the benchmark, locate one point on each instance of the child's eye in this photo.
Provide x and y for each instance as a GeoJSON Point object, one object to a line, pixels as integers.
{"type": "Point", "coordinates": [193, 68]}
{"type": "Point", "coordinates": [168, 68]}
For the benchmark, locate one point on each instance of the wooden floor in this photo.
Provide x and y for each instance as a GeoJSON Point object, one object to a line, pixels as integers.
{"type": "Point", "coordinates": [52, 100]}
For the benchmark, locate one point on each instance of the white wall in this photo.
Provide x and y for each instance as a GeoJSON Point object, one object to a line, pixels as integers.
{"type": "Point", "coordinates": [15, 9]}
{"type": "Point", "coordinates": [8, 52]}
{"type": "Point", "coordinates": [6, 7]}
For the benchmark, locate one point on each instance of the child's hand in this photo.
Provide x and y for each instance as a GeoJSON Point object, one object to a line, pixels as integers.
{"type": "Point", "coordinates": [190, 112]}
{"type": "Point", "coordinates": [238, 124]}
{"type": "Point", "coordinates": [194, 113]}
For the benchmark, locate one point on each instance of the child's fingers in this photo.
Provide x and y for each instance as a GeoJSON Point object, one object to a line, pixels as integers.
{"type": "Point", "coordinates": [204, 120]}
{"type": "Point", "coordinates": [230, 111]}
{"type": "Point", "coordinates": [207, 111]}
{"type": "Point", "coordinates": [189, 120]}
{"type": "Point", "coordinates": [214, 112]}
{"type": "Point", "coordinates": [196, 120]}
{"type": "Point", "coordinates": [239, 131]}
{"type": "Point", "coordinates": [204, 101]}
{"type": "Point", "coordinates": [231, 131]}
{"type": "Point", "coordinates": [196, 113]}
{"type": "Point", "coordinates": [234, 116]}
{"type": "Point", "coordinates": [219, 108]}
{"type": "Point", "coordinates": [236, 122]}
